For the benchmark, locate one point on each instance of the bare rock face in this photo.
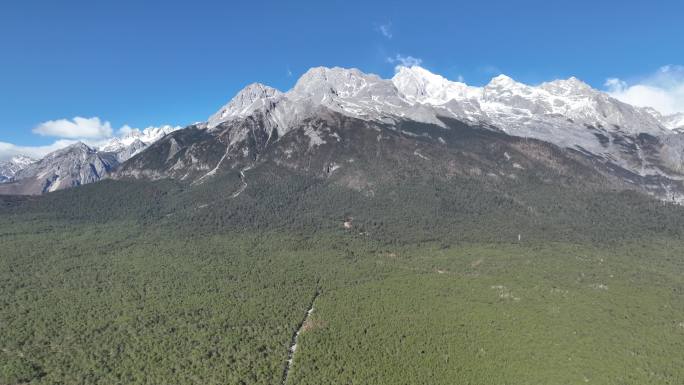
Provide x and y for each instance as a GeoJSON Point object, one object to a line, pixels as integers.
{"type": "Point", "coordinates": [251, 98]}
{"type": "Point", "coordinates": [72, 166]}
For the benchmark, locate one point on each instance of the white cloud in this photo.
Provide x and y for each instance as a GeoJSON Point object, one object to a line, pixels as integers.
{"type": "Point", "coordinates": [385, 30]}
{"type": "Point", "coordinates": [663, 90]}
{"type": "Point", "coordinates": [126, 130]}
{"type": "Point", "coordinates": [92, 131]}
{"type": "Point", "coordinates": [404, 61]}
{"type": "Point", "coordinates": [8, 150]}
{"type": "Point", "coordinates": [78, 127]}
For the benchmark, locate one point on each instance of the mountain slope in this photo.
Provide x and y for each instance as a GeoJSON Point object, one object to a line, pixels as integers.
{"type": "Point", "coordinates": [304, 128]}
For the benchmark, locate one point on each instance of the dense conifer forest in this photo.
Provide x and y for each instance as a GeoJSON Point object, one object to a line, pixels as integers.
{"type": "Point", "coordinates": [439, 282]}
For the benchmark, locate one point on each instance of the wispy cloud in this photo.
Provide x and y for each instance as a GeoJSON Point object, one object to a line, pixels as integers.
{"type": "Point", "coordinates": [662, 90]}
{"type": "Point", "coordinates": [404, 61]}
{"type": "Point", "coordinates": [385, 30]}
{"type": "Point", "coordinates": [77, 127]}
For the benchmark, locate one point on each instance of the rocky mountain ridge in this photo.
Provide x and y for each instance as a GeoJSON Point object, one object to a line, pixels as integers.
{"type": "Point", "coordinates": [637, 146]}
{"type": "Point", "coordinates": [567, 113]}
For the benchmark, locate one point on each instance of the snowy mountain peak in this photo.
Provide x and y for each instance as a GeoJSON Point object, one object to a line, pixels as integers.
{"type": "Point", "coordinates": [420, 85]}
{"type": "Point", "coordinates": [502, 81]}
{"type": "Point", "coordinates": [9, 168]}
{"type": "Point", "coordinates": [575, 83]}
{"type": "Point", "coordinates": [563, 112]}
{"type": "Point", "coordinates": [418, 72]}
{"type": "Point", "coordinates": [503, 86]}
{"type": "Point", "coordinates": [244, 103]}
{"type": "Point", "coordinates": [320, 82]}
{"type": "Point", "coordinates": [148, 136]}
{"type": "Point", "coordinates": [113, 145]}
{"type": "Point", "coordinates": [151, 134]}
{"type": "Point", "coordinates": [566, 112]}
{"type": "Point", "coordinates": [134, 140]}
{"type": "Point", "coordinates": [78, 146]}
{"type": "Point", "coordinates": [674, 121]}
{"type": "Point", "coordinates": [420, 75]}
{"type": "Point", "coordinates": [568, 87]}
{"type": "Point", "coordinates": [21, 160]}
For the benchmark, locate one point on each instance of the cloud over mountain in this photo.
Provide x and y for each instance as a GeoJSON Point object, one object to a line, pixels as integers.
{"type": "Point", "coordinates": [662, 90]}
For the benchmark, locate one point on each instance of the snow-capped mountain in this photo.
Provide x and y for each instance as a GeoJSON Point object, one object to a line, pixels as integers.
{"type": "Point", "coordinates": [515, 106]}
{"type": "Point", "coordinates": [418, 94]}
{"type": "Point", "coordinates": [674, 121]}
{"type": "Point", "coordinates": [568, 113]}
{"type": "Point", "coordinates": [135, 141]}
{"type": "Point", "coordinates": [10, 168]}
{"type": "Point", "coordinates": [637, 146]}
{"type": "Point", "coordinates": [631, 144]}
{"type": "Point", "coordinates": [565, 112]}
{"type": "Point", "coordinates": [348, 91]}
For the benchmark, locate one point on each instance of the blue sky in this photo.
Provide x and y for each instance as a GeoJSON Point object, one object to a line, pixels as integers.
{"type": "Point", "coordinates": [143, 63]}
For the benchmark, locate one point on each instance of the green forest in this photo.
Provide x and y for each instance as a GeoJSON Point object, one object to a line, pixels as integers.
{"type": "Point", "coordinates": [124, 282]}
